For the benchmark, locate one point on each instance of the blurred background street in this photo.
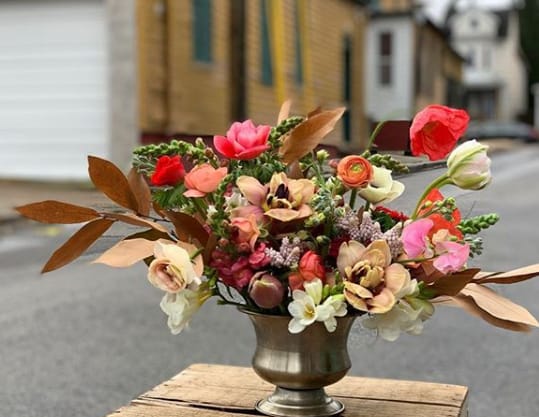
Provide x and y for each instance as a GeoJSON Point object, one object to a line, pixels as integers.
{"type": "Point", "coordinates": [101, 77]}
{"type": "Point", "coordinates": [86, 339]}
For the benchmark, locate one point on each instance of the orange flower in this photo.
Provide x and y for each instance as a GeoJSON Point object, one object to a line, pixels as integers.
{"type": "Point", "coordinates": [354, 171]}
{"type": "Point", "coordinates": [203, 179]}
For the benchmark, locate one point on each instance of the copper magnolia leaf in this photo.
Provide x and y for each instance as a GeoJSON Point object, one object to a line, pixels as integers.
{"type": "Point", "coordinates": [159, 210]}
{"type": "Point", "coordinates": [452, 284]}
{"type": "Point", "coordinates": [498, 306]}
{"type": "Point", "coordinates": [150, 234]}
{"type": "Point", "coordinates": [188, 227]}
{"type": "Point", "coordinates": [135, 220]}
{"type": "Point", "coordinates": [284, 111]}
{"type": "Point", "coordinates": [469, 305]}
{"type": "Point", "coordinates": [51, 211]}
{"type": "Point", "coordinates": [141, 191]}
{"type": "Point", "coordinates": [108, 178]}
{"type": "Point", "coordinates": [127, 252]}
{"type": "Point", "coordinates": [314, 112]}
{"type": "Point", "coordinates": [77, 244]}
{"type": "Point", "coordinates": [510, 277]}
{"type": "Point", "coordinates": [307, 135]}
{"type": "Point", "coordinates": [210, 246]}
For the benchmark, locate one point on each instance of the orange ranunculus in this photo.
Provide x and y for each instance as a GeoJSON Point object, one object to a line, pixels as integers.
{"type": "Point", "coordinates": [203, 179]}
{"type": "Point", "coordinates": [436, 129]}
{"type": "Point", "coordinates": [354, 171]}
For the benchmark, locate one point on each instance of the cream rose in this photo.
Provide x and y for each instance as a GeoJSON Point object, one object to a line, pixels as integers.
{"type": "Point", "coordinates": [172, 269]}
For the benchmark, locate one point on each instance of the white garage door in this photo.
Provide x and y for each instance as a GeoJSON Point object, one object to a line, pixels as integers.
{"type": "Point", "coordinates": [53, 92]}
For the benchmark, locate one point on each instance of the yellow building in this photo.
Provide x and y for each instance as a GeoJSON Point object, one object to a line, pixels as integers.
{"type": "Point", "coordinates": [205, 63]}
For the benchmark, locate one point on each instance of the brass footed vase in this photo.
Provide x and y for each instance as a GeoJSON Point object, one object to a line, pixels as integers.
{"type": "Point", "coordinates": [300, 365]}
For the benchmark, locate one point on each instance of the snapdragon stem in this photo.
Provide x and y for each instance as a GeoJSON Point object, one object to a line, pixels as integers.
{"type": "Point", "coordinates": [374, 134]}
{"type": "Point", "coordinates": [437, 183]}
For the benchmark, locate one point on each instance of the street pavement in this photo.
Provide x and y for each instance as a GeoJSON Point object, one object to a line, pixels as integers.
{"type": "Point", "coordinates": [86, 339]}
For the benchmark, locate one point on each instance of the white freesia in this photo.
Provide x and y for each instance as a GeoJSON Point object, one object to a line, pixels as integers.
{"type": "Point", "coordinates": [401, 318]}
{"type": "Point", "coordinates": [469, 166]}
{"type": "Point", "coordinates": [382, 188]}
{"type": "Point", "coordinates": [180, 307]}
{"type": "Point", "coordinates": [306, 308]}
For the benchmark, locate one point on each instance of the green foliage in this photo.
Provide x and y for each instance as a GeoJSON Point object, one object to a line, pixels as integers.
{"type": "Point", "coordinates": [386, 161]}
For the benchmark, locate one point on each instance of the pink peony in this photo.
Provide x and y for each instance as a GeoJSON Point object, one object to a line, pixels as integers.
{"type": "Point", "coordinates": [243, 140]}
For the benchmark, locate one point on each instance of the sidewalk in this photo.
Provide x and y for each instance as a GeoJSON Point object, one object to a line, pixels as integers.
{"type": "Point", "coordinates": [16, 193]}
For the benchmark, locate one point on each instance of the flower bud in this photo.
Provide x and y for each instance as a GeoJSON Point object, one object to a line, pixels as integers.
{"type": "Point", "coordinates": [469, 166]}
{"type": "Point", "coordinates": [266, 290]}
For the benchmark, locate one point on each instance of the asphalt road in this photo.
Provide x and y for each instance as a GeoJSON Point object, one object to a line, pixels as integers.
{"type": "Point", "coordinates": [87, 339]}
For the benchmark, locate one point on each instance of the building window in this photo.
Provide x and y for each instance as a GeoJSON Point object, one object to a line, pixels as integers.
{"type": "Point", "coordinates": [385, 52]}
{"type": "Point", "coordinates": [265, 50]}
{"type": "Point", "coordinates": [299, 49]}
{"type": "Point", "coordinates": [202, 30]}
{"type": "Point", "coordinates": [470, 58]}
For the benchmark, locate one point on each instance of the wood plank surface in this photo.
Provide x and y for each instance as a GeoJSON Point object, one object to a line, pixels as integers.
{"type": "Point", "coordinates": [217, 390]}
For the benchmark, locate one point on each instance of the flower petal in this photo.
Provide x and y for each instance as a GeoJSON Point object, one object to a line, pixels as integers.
{"type": "Point", "coordinates": [295, 326]}
{"type": "Point", "coordinates": [282, 214]}
{"type": "Point", "coordinates": [253, 191]}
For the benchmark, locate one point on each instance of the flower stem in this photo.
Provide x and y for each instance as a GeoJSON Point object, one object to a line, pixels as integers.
{"type": "Point", "coordinates": [353, 195]}
{"type": "Point", "coordinates": [374, 134]}
{"type": "Point", "coordinates": [437, 183]}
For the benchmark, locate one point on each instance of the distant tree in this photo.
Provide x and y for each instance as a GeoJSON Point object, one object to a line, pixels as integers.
{"type": "Point", "coordinates": [529, 35]}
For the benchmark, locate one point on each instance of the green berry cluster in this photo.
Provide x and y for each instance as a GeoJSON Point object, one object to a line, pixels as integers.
{"type": "Point", "coordinates": [386, 161]}
{"type": "Point", "coordinates": [283, 128]}
{"type": "Point", "coordinates": [476, 245]}
{"type": "Point", "coordinates": [474, 225]}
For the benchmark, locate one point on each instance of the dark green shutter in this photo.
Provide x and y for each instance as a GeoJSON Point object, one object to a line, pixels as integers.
{"type": "Point", "coordinates": [202, 30]}
{"type": "Point", "coordinates": [299, 51]}
{"type": "Point", "coordinates": [265, 51]}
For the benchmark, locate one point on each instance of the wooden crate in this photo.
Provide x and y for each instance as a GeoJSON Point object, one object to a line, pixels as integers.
{"type": "Point", "coordinates": [216, 391]}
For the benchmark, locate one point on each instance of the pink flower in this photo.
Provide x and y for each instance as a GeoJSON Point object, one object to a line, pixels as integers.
{"type": "Point", "coordinates": [266, 290]}
{"type": "Point", "coordinates": [436, 129]}
{"type": "Point", "coordinates": [415, 237]}
{"type": "Point", "coordinates": [203, 179]}
{"type": "Point", "coordinates": [453, 258]}
{"type": "Point", "coordinates": [245, 230]}
{"type": "Point", "coordinates": [243, 140]}
{"type": "Point", "coordinates": [258, 259]}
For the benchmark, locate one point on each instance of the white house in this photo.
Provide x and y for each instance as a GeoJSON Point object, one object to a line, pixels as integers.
{"type": "Point", "coordinates": [495, 74]}
{"type": "Point", "coordinates": [62, 65]}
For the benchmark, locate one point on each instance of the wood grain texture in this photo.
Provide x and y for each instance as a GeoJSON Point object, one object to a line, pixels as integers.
{"type": "Point", "coordinates": [216, 390]}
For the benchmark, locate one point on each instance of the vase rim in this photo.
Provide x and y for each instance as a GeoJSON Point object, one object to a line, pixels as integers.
{"type": "Point", "coordinates": [256, 313]}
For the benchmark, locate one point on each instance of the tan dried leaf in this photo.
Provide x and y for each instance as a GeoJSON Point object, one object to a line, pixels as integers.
{"type": "Point", "coordinates": [135, 220]}
{"type": "Point", "coordinates": [498, 306]}
{"type": "Point", "coordinates": [452, 284]}
{"type": "Point", "coordinates": [469, 305]}
{"type": "Point", "coordinates": [187, 227]}
{"type": "Point", "coordinates": [51, 211]}
{"type": "Point", "coordinates": [307, 135]}
{"type": "Point", "coordinates": [210, 246]}
{"type": "Point", "coordinates": [314, 112]}
{"type": "Point", "coordinates": [77, 244]}
{"type": "Point", "coordinates": [127, 252]}
{"type": "Point", "coordinates": [108, 178]}
{"type": "Point", "coordinates": [141, 191]}
{"type": "Point", "coordinates": [284, 112]}
{"type": "Point", "coordinates": [509, 277]}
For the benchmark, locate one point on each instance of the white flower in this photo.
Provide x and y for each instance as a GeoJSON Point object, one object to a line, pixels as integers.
{"type": "Point", "coordinates": [180, 307]}
{"type": "Point", "coordinates": [469, 166]}
{"type": "Point", "coordinates": [306, 308]}
{"type": "Point", "coordinates": [382, 188]}
{"type": "Point", "coordinates": [401, 318]}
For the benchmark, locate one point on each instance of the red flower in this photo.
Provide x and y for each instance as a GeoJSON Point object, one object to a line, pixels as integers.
{"type": "Point", "coordinates": [243, 140]}
{"type": "Point", "coordinates": [168, 171]}
{"type": "Point", "coordinates": [440, 222]}
{"type": "Point", "coordinates": [436, 129]}
{"type": "Point", "coordinates": [395, 215]}
{"type": "Point", "coordinates": [310, 267]}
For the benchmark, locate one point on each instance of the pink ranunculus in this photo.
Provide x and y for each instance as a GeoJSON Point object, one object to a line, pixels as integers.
{"type": "Point", "coordinates": [453, 256]}
{"type": "Point", "coordinates": [203, 179]}
{"type": "Point", "coordinates": [414, 237]}
{"type": "Point", "coordinates": [436, 129]}
{"type": "Point", "coordinates": [258, 259]}
{"type": "Point", "coordinates": [243, 140]}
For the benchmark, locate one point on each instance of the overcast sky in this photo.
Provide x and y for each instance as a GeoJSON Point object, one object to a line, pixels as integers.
{"type": "Point", "coordinates": [436, 8]}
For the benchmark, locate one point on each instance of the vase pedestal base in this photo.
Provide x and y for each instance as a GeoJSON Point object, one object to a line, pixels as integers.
{"type": "Point", "coordinates": [299, 403]}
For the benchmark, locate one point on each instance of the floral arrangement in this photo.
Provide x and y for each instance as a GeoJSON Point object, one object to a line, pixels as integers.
{"type": "Point", "coordinates": [266, 222]}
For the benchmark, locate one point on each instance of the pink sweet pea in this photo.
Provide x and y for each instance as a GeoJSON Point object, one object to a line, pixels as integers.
{"type": "Point", "coordinates": [436, 129]}
{"type": "Point", "coordinates": [415, 237]}
{"type": "Point", "coordinates": [203, 179]}
{"type": "Point", "coordinates": [454, 256]}
{"type": "Point", "coordinates": [243, 140]}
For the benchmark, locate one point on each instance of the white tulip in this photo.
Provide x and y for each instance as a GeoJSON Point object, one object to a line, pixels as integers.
{"type": "Point", "coordinates": [469, 166]}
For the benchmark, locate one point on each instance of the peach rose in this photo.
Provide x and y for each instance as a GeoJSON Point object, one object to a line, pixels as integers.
{"type": "Point", "coordinates": [203, 179]}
